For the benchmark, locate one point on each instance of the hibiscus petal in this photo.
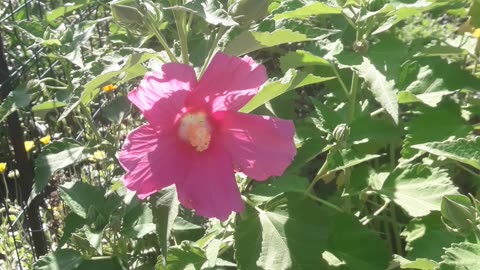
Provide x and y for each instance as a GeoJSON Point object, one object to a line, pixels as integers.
{"type": "Point", "coordinates": [228, 83]}
{"type": "Point", "coordinates": [260, 146]}
{"type": "Point", "coordinates": [210, 187]}
{"type": "Point", "coordinates": [161, 95]}
{"type": "Point", "coordinates": [151, 160]}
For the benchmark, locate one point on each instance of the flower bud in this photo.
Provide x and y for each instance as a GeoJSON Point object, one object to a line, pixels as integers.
{"type": "Point", "coordinates": [136, 17]}
{"type": "Point", "coordinates": [246, 12]}
{"type": "Point", "coordinates": [341, 133]}
{"type": "Point", "coordinates": [360, 46]}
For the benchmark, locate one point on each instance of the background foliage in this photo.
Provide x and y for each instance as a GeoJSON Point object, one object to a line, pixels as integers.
{"type": "Point", "coordinates": [383, 93]}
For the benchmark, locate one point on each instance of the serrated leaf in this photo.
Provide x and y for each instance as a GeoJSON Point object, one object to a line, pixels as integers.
{"type": "Point", "coordinates": [355, 246]}
{"type": "Point", "coordinates": [346, 158]}
{"type": "Point", "coordinates": [435, 124]}
{"type": "Point", "coordinates": [290, 234]}
{"type": "Point", "coordinates": [102, 263]}
{"type": "Point", "coordinates": [461, 150]}
{"type": "Point", "coordinates": [462, 256]}
{"type": "Point", "coordinates": [249, 41]}
{"type": "Point", "coordinates": [117, 109]}
{"type": "Point", "coordinates": [418, 189]}
{"type": "Point", "coordinates": [210, 10]}
{"type": "Point", "coordinates": [301, 58]}
{"type": "Point", "coordinates": [183, 257]}
{"type": "Point", "coordinates": [164, 209]}
{"type": "Point", "coordinates": [130, 69]}
{"type": "Point", "coordinates": [382, 89]}
{"type": "Point", "coordinates": [80, 197]}
{"type": "Point", "coordinates": [427, 237]}
{"type": "Point", "coordinates": [16, 99]}
{"type": "Point", "coordinates": [306, 11]}
{"type": "Point", "coordinates": [61, 259]}
{"type": "Point", "coordinates": [421, 264]}
{"type": "Point", "coordinates": [285, 183]}
{"type": "Point", "coordinates": [291, 80]}
{"type": "Point", "coordinates": [72, 223]}
{"type": "Point", "coordinates": [56, 155]}
{"type": "Point", "coordinates": [426, 88]}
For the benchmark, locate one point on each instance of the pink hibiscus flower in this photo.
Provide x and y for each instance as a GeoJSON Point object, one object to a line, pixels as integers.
{"type": "Point", "coordinates": [196, 138]}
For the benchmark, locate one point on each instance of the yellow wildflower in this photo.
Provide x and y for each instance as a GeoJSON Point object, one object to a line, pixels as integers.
{"type": "Point", "coordinates": [29, 145]}
{"type": "Point", "coordinates": [3, 167]}
{"type": "Point", "coordinates": [98, 155]}
{"type": "Point", "coordinates": [46, 139]}
{"type": "Point", "coordinates": [109, 88]}
{"type": "Point", "coordinates": [476, 33]}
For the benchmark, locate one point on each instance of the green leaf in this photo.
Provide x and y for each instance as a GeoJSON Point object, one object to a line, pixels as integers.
{"type": "Point", "coordinates": [102, 263]}
{"type": "Point", "coordinates": [43, 108]}
{"type": "Point", "coordinates": [291, 233]}
{"type": "Point", "coordinates": [314, 9]}
{"type": "Point", "coordinates": [130, 69]}
{"type": "Point", "coordinates": [418, 189]}
{"type": "Point", "coordinates": [117, 109]}
{"type": "Point", "coordinates": [435, 124]}
{"type": "Point", "coordinates": [461, 150]}
{"type": "Point", "coordinates": [95, 239]}
{"type": "Point", "coordinates": [55, 156]}
{"type": "Point", "coordinates": [72, 222]}
{"type": "Point", "coordinates": [138, 222]}
{"type": "Point", "coordinates": [309, 142]}
{"type": "Point", "coordinates": [427, 237]}
{"type": "Point", "coordinates": [301, 58]}
{"type": "Point", "coordinates": [355, 246]}
{"type": "Point", "coordinates": [382, 89]}
{"type": "Point", "coordinates": [61, 259]}
{"type": "Point", "coordinates": [61, 11]}
{"type": "Point", "coordinates": [211, 11]}
{"type": "Point", "coordinates": [440, 50]}
{"type": "Point", "coordinates": [249, 41]}
{"type": "Point", "coordinates": [421, 264]}
{"type": "Point", "coordinates": [164, 209]}
{"type": "Point", "coordinates": [285, 183]}
{"type": "Point", "coordinates": [462, 256]}
{"type": "Point", "coordinates": [293, 79]}
{"type": "Point", "coordinates": [186, 256]}
{"type": "Point", "coordinates": [346, 158]}
{"type": "Point", "coordinates": [81, 197]}
{"type": "Point", "coordinates": [16, 99]}
{"type": "Point", "coordinates": [426, 88]}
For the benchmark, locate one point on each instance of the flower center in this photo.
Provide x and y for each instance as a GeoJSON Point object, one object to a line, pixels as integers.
{"type": "Point", "coordinates": [195, 129]}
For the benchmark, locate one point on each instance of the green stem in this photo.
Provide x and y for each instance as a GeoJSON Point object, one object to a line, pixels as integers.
{"type": "Point", "coordinates": [182, 34]}
{"type": "Point", "coordinates": [6, 187]}
{"type": "Point", "coordinates": [251, 204]}
{"type": "Point", "coordinates": [53, 80]}
{"type": "Point", "coordinates": [353, 97]}
{"type": "Point", "coordinates": [365, 220]}
{"type": "Point", "coordinates": [396, 233]}
{"type": "Point", "coordinates": [86, 112]}
{"type": "Point", "coordinates": [320, 174]}
{"type": "Point", "coordinates": [326, 203]}
{"type": "Point", "coordinates": [344, 87]}
{"type": "Point", "coordinates": [162, 41]}
{"type": "Point", "coordinates": [221, 31]}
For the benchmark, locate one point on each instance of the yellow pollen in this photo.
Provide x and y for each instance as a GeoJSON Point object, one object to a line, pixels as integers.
{"type": "Point", "coordinates": [195, 129]}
